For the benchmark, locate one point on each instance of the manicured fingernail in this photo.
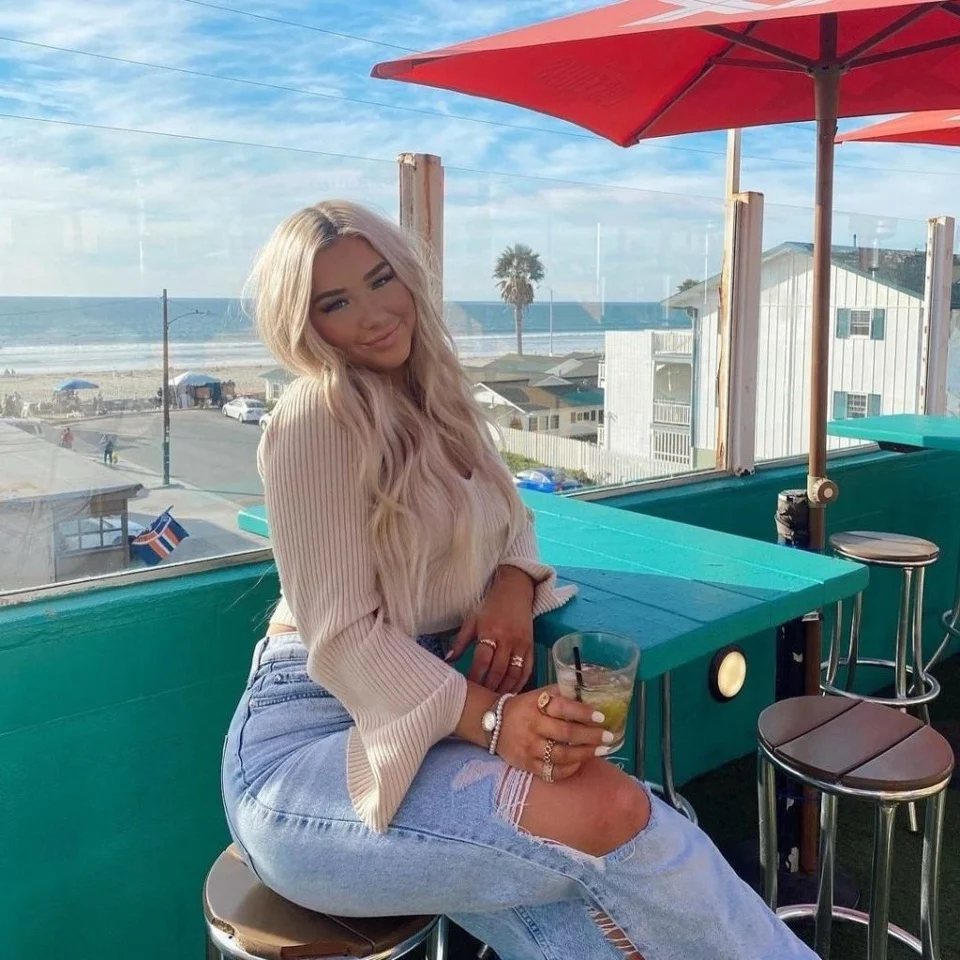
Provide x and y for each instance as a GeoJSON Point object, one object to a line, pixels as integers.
{"type": "Point", "coordinates": [607, 737]}
{"type": "Point", "coordinates": [448, 656]}
{"type": "Point", "coordinates": [603, 751]}
{"type": "Point", "coordinates": [598, 717]}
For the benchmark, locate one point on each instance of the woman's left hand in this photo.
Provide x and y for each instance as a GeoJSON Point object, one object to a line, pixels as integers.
{"type": "Point", "coordinates": [503, 629]}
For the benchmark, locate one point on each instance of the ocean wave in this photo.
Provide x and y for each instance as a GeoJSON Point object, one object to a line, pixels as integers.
{"type": "Point", "coordinates": [106, 357]}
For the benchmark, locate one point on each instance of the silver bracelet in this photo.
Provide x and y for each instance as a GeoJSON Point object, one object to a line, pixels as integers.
{"type": "Point", "coordinates": [495, 736]}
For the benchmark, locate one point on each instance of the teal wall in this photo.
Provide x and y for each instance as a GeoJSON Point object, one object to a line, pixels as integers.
{"type": "Point", "coordinates": [901, 493]}
{"type": "Point", "coordinates": [115, 703]}
{"type": "Point", "coordinates": [112, 719]}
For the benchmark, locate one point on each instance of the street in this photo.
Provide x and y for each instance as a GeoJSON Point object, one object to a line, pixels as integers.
{"type": "Point", "coordinates": [208, 451]}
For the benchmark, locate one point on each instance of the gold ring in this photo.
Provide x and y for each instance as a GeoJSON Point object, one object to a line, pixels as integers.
{"type": "Point", "coordinates": [548, 751]}
{"type": "Point", "coordinates": [546, 773]}
{"type": "Point", "coordinates": [516, 661]}
{"type": "Point", "coordinates": [543, 701]}
{"type": "Point", "coordinates": [487, 642]}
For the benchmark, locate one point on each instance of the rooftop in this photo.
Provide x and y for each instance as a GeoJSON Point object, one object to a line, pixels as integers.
{"type": "Point", "coordinates": [903, 270]}
{"type": "Point", "coordinates": [35, 469]}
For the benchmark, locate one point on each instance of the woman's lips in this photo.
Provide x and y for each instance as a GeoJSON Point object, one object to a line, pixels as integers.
{"type": "Point", "coordinates": [385, 339]}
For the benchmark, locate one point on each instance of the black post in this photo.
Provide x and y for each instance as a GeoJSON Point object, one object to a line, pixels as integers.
{"type": "Point", "coordinates": [793, 530]}
{"type": "Point", "coordinates": [166, 393]}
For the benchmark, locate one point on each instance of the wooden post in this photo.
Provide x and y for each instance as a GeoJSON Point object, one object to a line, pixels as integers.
{"type": "Point", "coordinates": [739, 334]}
{"type": "Point", "coordinates": [421, 208]}
{"type": "Point", "coordinates": [934, 343]}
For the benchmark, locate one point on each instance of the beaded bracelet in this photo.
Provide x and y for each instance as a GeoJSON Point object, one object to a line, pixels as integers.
{"type": "Point", "coordinates": [495, 736]}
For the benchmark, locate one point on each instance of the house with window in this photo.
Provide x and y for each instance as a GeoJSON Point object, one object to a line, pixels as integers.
{"type": "Point", "coordinates": [275, 381]}
{"type": "Point", "coordinates": [660, 386]}
{"type": "Point", "coordinates": [564, 409]}
{"type": "Point", "coordinates": [63, 515]}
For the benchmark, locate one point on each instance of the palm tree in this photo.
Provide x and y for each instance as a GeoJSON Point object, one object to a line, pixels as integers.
{"type": "Point", "coordinates": [517, 271]}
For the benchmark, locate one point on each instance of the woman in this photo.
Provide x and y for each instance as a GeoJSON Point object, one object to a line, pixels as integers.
{"type": "Point", "coordinates": [362, 774]}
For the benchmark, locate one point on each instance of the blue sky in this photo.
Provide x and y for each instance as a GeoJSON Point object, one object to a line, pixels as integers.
{"type": "Point", "coordinates": [92, 211]}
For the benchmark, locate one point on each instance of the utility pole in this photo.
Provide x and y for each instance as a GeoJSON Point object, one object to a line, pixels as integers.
{"type": "Point", "coordinates": [166, 380]}
{"type": "Point", "coordinates": [551, 320]}
{"type": "Point", "coordinates": [166, 393]}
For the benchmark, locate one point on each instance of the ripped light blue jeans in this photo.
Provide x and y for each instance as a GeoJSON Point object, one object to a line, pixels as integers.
{"type": "Point", "coordinates": [454, 846]}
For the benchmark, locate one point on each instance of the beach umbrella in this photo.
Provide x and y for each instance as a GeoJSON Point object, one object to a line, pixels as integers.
{"type": "Point", "coordinates": [928, 126]}
{"type": "Point", "coordinates": [75, 384]}
{"type": "Point", "coordinates": [193, 378]}
{"type": "Point", "coordinates": [654, 68]}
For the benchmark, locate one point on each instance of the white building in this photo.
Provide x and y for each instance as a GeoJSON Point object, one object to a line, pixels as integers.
{"type": "Point", "coordinates": [660, 388]}
{"type": "Point", "coordinates": [558, 408]}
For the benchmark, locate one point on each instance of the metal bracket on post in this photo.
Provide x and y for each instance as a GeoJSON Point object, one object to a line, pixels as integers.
{"type": "Point", "coordinates": [420, 178]}
{"type": "Point", "coordinates": [934, 342]}
{"type": "Point", "coordinates": [739, 335]}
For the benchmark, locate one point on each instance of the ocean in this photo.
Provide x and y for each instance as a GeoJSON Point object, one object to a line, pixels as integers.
{"type": "Point", "coordinates": [87, 334]}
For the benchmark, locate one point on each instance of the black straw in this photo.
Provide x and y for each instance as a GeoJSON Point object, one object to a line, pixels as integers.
{"type": "Point", "coordinates": [579, 668]}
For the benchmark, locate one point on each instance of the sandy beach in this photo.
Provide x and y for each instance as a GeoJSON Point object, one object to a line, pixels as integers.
{"type": "Point", "coordinates": [124, 385]}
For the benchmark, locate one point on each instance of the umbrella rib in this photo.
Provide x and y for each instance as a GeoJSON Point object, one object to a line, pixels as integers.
{"type": "Point", "coordinates": [673, 100]}
{"type": "Point", "coordinates": [904, 52]}
{"type": "Point", "coordinates": [755, 64]}
{"type": "Point", "coordinates": [761, 46]}
{"type": "Point", "coordinates": [888, 31]}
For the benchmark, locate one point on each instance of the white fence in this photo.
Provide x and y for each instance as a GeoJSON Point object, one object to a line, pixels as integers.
{"type": "Point", "coordinates": [674, 413]}
{"type": "Point", "coordinates": [600, 465]}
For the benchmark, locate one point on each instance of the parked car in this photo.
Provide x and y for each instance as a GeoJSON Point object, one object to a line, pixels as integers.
{"type": "Point", "coordinates": [265, 420]}
{"type": "Point", "coordinates": [244, 410]}
{"type": "Point", "coordinates": [546, 480]}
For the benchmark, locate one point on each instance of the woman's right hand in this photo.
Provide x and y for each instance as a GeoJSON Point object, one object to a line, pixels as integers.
{"type": "Point", "coordinates": [573, 727]}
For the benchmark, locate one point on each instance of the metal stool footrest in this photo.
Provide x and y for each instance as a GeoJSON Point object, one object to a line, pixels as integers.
{"type": "Point", "coordinates": [679, 802]}
{"type": "Point", "coordinates": [931, 684]}
{"type": "Point", "coordinates": [808, 911]}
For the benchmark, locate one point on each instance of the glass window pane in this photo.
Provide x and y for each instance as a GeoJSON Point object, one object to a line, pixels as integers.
{"type": "Point", "coordinates": [613, 331]}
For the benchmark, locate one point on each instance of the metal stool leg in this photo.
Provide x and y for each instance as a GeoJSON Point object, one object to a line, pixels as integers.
{"type": "Point", "coordinates": [833, 660]}
{"type": "Point", "coordinates": [212, 952]}
{"type": "Point", "coordinates": [853, 650]}
{"type": "Point", "coordinates": [919, 670]}
{"type": "Point", "coordinates": [930, 877]}
{"type": "Point", "coordinates": [767, 806]}
{"type": "Point", "coordinates": [666, 789]}
{"type": "Point", "coordinates": [640, 720]}
{"type": "Point", "coordinates": [900, 664]}
{"type": "Point", "coordinates": [437, 950]}
{"type": "Point", "coordinates": [877, 932]}
{"type": "Point", "coordinates": [828, 844]}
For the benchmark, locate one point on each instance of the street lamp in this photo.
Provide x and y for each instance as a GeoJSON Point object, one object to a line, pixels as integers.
{"type": "Point", "coordinates": [166, 382]}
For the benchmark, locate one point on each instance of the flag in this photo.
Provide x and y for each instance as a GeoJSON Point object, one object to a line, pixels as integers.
{"type": "Point", "coordinates": [159, 540]}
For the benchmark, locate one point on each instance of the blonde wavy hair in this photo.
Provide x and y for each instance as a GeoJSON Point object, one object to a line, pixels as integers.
{"type": "Point", "coordinates": [406, 436]}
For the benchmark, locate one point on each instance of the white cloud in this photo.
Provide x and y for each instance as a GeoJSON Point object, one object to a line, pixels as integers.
{"type": "Point", "coordinates": [87, 211]}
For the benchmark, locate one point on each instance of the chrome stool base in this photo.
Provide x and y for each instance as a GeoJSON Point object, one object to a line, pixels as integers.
{"type": "Point", "coordinates": [808, 911]}
{"type": "Point", "coordinates": [931, 686]}
{"type": "Point", "coordinates": [679, 803]}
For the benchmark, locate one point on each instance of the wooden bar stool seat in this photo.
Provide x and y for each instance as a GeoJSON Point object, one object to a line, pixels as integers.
{"type": "Point", "coordinates": [846, 747]}
{"type": "Point", "coordinates": [893, 549]}
{"type": "Point", "coordinates": [248, 921]}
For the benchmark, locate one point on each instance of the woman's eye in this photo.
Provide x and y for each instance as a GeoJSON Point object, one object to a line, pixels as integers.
{"type": "Point", "coordinates": [333, 305]}
{"type": "Point", "coordinates": [380, 281]}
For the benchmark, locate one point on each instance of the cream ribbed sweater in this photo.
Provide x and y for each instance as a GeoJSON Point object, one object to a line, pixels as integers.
{"type": "Point", "coordinates": [402, 698]}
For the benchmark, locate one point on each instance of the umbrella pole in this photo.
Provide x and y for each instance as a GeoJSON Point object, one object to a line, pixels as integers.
{"type": "Point", "coordinates": [820, 491]}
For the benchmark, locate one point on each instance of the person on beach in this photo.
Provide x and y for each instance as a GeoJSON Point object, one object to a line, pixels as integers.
{"type": "Point", "coordinates": [66, 439]}
{"type": "Point", "coordinates": [108, 450]}
{"type": "Point", "coordinates": [362, 774]}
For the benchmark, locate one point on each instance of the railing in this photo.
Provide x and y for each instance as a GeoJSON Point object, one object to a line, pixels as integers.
{"type": "Point", "coordinates": [577, 456]}
{"type": "Point", "coordinates": [670, 446]}
{"type": "Point", "coordinates": [602, 374]}
{"type": "Point", "coordinates": [677, 414]}
{"type": "Point", "coordinates": [673, 341]}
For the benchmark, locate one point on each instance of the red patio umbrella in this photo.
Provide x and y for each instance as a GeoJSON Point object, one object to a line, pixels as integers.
{"type": "Point", "coordinates": [929, 126]}
{"type": "Point", "coordinates": [654, 68]}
